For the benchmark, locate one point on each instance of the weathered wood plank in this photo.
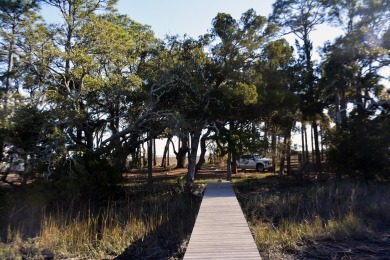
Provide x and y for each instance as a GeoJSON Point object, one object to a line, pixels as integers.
{"type": "Point", "coordinates": [221, 230]}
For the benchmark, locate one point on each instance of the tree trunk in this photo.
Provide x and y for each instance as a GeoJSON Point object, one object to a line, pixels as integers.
{"type": "Point", "coordinates": [144, 162]}
{"type": "Point", "coordinates": [281, 167]}
{"type": "Point", "coordinates": [231, 150]}
{"type": "Point", "coordinates": [139, 157]}
{"type": "Point", "coordinates": [288, 152]}
{"type": "Point", "coordinates": [273, 149]}
{"type": "Point", "coordinates": [299, 174]}
{"type": "Point", "coordinates": [168, 157]}
{"type": "Point", "coordinates": [229, 167]}
{"type": "Point", "coordinates": [312, 145]}
{"type": "Point", "coordinates": [150, 164]}
{"type": "Point", "coordinates": [88, 133]}
{"type": "Point", "coordinates": [303, 158]}
{"type": "Point", "coordinates": [282, 158]}
{"type": "Point", "coordinates": [234, 162]}
{"type": "Point", "coordinates": [133, 162]}
{"type": "Point", "coordinates": [166, 150]}
{"type": "Point", "coordinates": [317, 147]}
{"type": "Point", "coordinates": [154, 152]}
{"type": "Point", "coordinates": [182, 152]}
{"type": "Point", "coordinates": [306, 144]}
{"type": "Point", "coordinates": [202, 160]}
{"type": "Point", "coordinates": [195, 138]}
{"type": "Point", "coordinates": [289, 157]}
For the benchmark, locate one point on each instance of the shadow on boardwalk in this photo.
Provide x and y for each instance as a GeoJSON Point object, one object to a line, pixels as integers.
{"type": "Point", "coordinates": [166, 242]}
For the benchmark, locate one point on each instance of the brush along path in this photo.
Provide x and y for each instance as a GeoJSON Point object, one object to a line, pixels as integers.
{"type": "Point", "coordinates": [221, 230]}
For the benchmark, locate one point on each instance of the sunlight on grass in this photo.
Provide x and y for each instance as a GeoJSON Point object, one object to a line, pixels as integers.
{"type": "Point", "coordinates": [290, 234]}
{"type": "Point", "coordinates": [98, 230]}
{"type": "Point", "coordinates": [284, 217]}
{"type": "Point", "coordinates": [99, 234]}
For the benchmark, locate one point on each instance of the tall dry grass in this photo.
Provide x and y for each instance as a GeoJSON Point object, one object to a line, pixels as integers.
{"type": "Point", "coordinates": [102, 230]}
{"type": "Point", "coordinates": [284, 217]}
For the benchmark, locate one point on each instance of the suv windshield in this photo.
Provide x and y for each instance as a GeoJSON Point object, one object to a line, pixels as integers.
{"type": "Point", "coordinates": [258, 157]}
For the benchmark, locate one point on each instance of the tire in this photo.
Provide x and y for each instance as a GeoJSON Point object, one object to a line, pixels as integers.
{"type": "Point", "coordinates": [260, 167]}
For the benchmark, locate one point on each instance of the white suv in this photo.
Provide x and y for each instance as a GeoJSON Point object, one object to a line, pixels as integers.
{"type": "Point", "coordinates": [254, 161]}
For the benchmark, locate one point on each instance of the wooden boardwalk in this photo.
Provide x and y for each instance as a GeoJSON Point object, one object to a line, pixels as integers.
{"type": "Point", "coordinates": [221, 230]}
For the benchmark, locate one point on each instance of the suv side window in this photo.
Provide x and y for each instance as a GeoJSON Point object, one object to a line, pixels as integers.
{"type": "Point", "coordinates": [247, 157]}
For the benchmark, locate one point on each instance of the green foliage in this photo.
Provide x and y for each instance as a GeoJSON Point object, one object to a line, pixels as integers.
{"type": "Point", "coordinates": [351, 77]}
{"type": "Point", "coordinates": [36, 139]}
{"type": "Point", "coordinates": [234, 58]}
{"type": "Point", "coordinates": [101, 172]}
{"type": "Point", "coordinates": [27, 127]}
{"type": "Point", "coordinates": [84, 76]}
{"type": "Point", "coordinates": [250, 141]}
{"type": "Point", "coordinates": [238, 94]}
{"type": "Point", "coordinates": [361, 148]}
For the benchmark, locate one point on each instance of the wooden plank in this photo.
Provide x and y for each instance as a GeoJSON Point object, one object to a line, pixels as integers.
{"type": "Point", "coordinates": [221, 230]}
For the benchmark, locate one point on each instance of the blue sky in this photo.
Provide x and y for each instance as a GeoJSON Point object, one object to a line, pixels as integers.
{"type": "Point", "coordinates": [171, 17]}
{"type": "Point", "coordinates": [191, 17]}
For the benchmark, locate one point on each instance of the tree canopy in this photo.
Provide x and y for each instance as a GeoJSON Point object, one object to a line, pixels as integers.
{"type": "Point", "coordinates": [80, 96]}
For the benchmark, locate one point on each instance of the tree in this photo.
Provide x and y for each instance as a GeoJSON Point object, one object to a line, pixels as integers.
{"type": "Point", "coordinates": [279, 103]}
{"type": "Point", "coordinates": [15, 16]}
{"type": "Point", "coordinates": [301, 17]}
{"type": "Point", "coordinates": [88, 71]}
{"type": "Point", "coordinates": [351, 75]}
{"type": "Point", "coordinates": [232, 73]}
{"type": "Point", "coordinates": [39, 140]}
{"type": "Point", "coordinates": [181, 87]}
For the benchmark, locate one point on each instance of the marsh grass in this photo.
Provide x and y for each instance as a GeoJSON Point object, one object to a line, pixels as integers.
{"type": "Point", "coordinates": [102, 234]}
{"type": "Point", "coordinates": [285, 217]}
{"type": "Point", "coordinates": [106, 225]}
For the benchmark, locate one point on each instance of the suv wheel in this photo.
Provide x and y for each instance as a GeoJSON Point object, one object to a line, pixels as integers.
{"type": "Point", "coordinates": [260, 167]}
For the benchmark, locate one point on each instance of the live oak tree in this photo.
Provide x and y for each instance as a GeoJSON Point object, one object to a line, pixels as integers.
{"type": "Point", "coordinates": [71, 64]}
{"type": "Point", "coordinates": [177, 78]}
{"type": "Point", "coordinates": [89, 66]}
{"type": "Point", "coordinates": [68, 65]}
{"type": "Point", "coordinates": [120, 47]}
